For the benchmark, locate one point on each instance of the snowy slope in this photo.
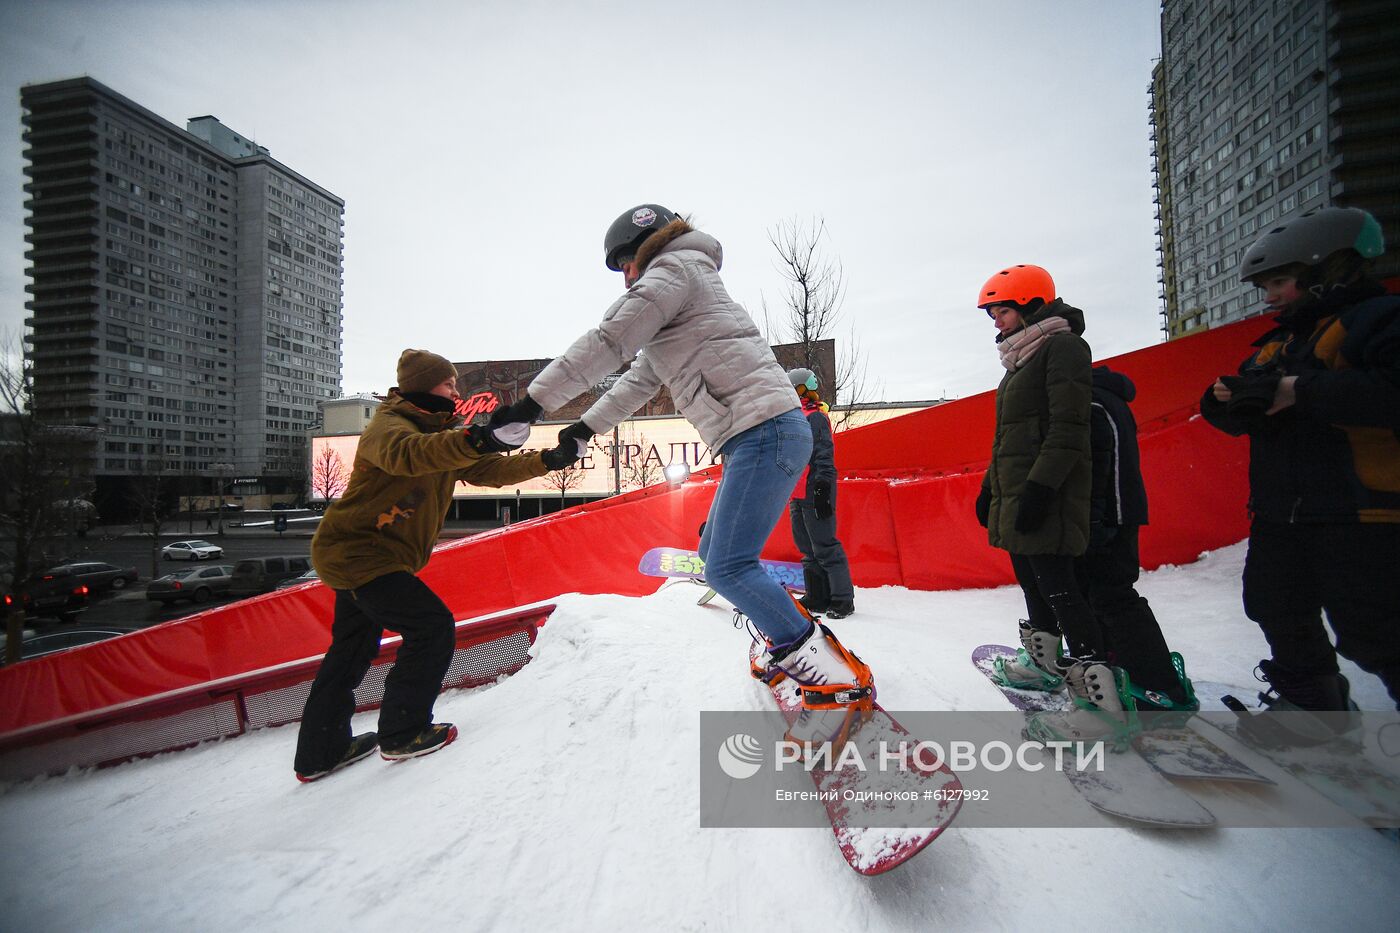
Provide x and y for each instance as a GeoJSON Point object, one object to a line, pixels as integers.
{"type": "Point", "coordinates": [571, 802]}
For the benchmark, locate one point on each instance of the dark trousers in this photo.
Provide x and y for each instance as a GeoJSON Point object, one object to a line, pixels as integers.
{"type": "Point", "coordinates": [1055, 604]}
{"type": "Point", "coordinates": [1294, 572]}
{"type": "Point", "coordinates": [1134, 640]}
{"type": "Point", "coordinates": [824, 565]}
{"type": "Point", "coordinates": [404, 604]}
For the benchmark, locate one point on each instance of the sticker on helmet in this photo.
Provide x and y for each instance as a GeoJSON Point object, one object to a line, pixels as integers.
{"type": "Point", "coordinates": [643, 217]}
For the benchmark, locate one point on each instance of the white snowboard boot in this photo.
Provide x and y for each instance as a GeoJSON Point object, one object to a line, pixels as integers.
{"type": "Point", "coordinates": [836, 688]}
{"type": "Point", "coordinates": [1103, 707]}
{"type": "Point", "coordinates": [1038, 665]}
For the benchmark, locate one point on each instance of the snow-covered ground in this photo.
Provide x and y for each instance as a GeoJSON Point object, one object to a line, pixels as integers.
{"type": "Point", "coordinates": [571, 802]}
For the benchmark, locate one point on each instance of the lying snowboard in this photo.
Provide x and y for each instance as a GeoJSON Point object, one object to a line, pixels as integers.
{"type": "Point", "coordinates": [678, 563]}
{"type": "Point", "coordinates": [1129, 787]}
{"type": "Point", "coordinates": [873, 850]}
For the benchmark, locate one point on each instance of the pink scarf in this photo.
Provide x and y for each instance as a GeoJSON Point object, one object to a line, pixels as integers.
{"type": "Point", "coordinates": [1017, 349]}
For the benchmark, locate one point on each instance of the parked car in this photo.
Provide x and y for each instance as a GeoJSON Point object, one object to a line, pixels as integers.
{"type": "Point", "coordinates": [262, 574]}
{"type": "Point", "coordinates": [61, 638]}
{"type": "Point", "coordinates": [99, 576]}
{"type": "Point", "coordinates": [191, 550]}
{"type": "Point", "coordinates": [282, 506]}
{"type": "Point", "coordinates": [197, 584]}
{"type": "Point", "coordinates": [57, 593]}
{"type": "Point", "coordinates": [311, 576]}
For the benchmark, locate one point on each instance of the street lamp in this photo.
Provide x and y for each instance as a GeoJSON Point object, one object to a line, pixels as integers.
{"type": "Point", "coordinates": [220, 470]}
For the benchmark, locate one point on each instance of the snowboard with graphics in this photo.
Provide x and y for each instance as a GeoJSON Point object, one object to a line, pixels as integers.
{"type": "Point", "coordinates": [1129, 787]}
{"type": "Point", "coordinates": [679, 563]}
{"type": "Point", "coordinates": [873, 850]}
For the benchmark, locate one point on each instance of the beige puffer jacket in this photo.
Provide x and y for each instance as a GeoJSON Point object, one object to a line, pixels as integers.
{"type": "Point", "coordinates": [687, 334]}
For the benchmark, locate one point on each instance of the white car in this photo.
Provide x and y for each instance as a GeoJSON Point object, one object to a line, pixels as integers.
{"type": "Point", "coordinates": [191, 550]}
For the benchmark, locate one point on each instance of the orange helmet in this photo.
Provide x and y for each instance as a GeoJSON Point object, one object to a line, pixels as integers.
{"type": "Point", "coordinates": [1017, 284]}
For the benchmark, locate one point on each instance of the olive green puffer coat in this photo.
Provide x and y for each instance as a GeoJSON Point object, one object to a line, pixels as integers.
{"type": "Point", "coordinates": [1042, 434]}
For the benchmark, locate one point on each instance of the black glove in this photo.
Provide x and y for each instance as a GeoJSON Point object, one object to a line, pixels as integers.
{"type": "Point", "coordinates": [1036, 499]}
{"type": "Point", "coordinates": [509, 427]}
{"type": "Point", "coordinates": [1250, 396]}
{"type": "Point", "coordinates": [984, 506]}
{"type": "Point", "coordinates": [821, 499]}
{"type": "Point", "coordinates": [573, 446]}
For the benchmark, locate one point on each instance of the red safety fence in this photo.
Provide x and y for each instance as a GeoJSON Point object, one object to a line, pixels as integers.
{"type": "Point", "coordinates": [487, 649]}
{"type": "Point", "coordinates": [904, 507]}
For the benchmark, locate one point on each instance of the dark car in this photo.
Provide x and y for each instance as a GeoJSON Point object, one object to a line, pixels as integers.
{"type": "Point", "coordinates": [61, 638]}
{"type": "Point", "coordinates": [262, 574]}
{"type": "Point", "coordinates": [57, 593]}
{"type": "Point", "coordinates": [99, 576]}
{"type": "Point", "coordinates": [199, 584]}
{"type": "Point", "coordinates": [311, 576]}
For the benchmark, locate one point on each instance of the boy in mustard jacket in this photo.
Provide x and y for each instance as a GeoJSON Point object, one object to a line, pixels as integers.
{"type": "Point", "coordinates": [368, 549]}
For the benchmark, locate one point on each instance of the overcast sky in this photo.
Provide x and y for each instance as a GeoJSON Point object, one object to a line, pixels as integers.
{"type": "Point", "coordinates": [482, 148]}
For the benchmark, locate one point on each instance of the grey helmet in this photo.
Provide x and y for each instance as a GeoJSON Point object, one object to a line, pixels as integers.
{"type": "Point", "coordinates": [803, 378]}
{"type": "Point", "coordinates": [1310, 238]}
{"type": "Point", "coordinates": [630, 229]}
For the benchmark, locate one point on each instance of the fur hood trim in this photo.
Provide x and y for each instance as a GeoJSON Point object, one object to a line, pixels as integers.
{"type": "Point", "coordinates": [659, 240]}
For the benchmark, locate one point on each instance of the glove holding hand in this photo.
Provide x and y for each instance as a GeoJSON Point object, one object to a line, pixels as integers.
{"type": "Point", "coordinates": [821, 499]}
{"type": "Point", "coordinates": [984, 506]}
{"type": "Point", "coordinates": [573, 446]}
{"type": "Point", "coordinates": [1036, 500]}
{"type": "Point", "coordinates": [509, 427]}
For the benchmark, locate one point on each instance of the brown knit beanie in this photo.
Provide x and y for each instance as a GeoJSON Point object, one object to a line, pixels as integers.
{"type": "Point", "coordinates": [421, 371]}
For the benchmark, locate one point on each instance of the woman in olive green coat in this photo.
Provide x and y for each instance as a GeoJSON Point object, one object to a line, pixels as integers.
{"type": "Point", "coordinates": [1035, 495]}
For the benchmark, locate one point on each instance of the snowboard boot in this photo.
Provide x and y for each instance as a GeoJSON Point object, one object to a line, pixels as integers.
{"type": "Point", "coordinates": [836, 688]}
{"type": "Point", "coordinates": [361, 746]}
{"type": "Point", "coordinates": [1103, 708]}
{"type": "Point", "coordinates": [1169, 708]}
{"type": "Point", "coordinates": [817, 597]}
{"type": "Point", "coordinates": [1307, 709]}
{"type": "Point", "coordinates": [433, 737]}
{"type": "Point", "coordinates": [1038, 664]}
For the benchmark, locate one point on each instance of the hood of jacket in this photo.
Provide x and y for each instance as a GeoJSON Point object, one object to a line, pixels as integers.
{"type": "Point", "coordinates": [1119, 384]}
{"type": "Point", "coordinates": [678, 234]}
{"type": "Point", "coordinates": [1058, 308]}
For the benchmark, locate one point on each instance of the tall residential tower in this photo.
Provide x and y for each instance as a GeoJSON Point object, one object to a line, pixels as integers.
{"type": "Point", "coordinates": [186, 292]}
{"type": "Point", "coordinates": [1262, 109]}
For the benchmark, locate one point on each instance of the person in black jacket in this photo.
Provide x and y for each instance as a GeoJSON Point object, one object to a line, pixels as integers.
{"type": "Point", "coordinates": [1109, 568]}
{"type": "Point", "coordinates": [825, 570]}
{"type": "Point", "coordinates": [1320, 401]}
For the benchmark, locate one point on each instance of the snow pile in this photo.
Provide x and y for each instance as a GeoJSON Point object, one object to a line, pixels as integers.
{"type": "Point", "coordinates": [571, 801]}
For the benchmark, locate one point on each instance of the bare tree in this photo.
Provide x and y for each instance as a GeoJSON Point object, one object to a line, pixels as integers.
{"type": "Point", "coordinates": [564, 480]}
{"type": "Point", "coordinates": [152, 492]}
{"type": "Point", "coordinates": [329, 477]}
{"type": "Point", "coordinates": [644, 469]}
{"type": "Point", "coordinates": [814, 292]}
{"type": "Point", "coordinates": [42, 466]}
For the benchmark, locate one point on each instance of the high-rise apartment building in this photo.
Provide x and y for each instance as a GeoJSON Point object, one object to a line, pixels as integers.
{"type": "Point", "coordinates": [1262, 109]}
{"type": "Point", "coordinates": [186, 291]}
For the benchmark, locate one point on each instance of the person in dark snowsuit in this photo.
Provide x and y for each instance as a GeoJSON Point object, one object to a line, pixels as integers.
{"type": "Point", "coordinates": [1109, 568]}
{"type": "Point", "coordinates": [825, 570]}
{"type": "Point", "coordinates": [1320, 401]}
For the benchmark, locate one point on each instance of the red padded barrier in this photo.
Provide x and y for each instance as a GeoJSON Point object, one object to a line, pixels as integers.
{"type": "Point", "coordinates": [905, 507]}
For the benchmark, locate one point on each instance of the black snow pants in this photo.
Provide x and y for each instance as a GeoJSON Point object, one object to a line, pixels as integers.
{"type": "Point", "coordinates": [404, 604]}
{"type": "Point", "coordinates": [1054, 602]}
{"type": "Point", "coordinates": [825, 569]}
{"type": "Point", "coordinates": [1295, 572]}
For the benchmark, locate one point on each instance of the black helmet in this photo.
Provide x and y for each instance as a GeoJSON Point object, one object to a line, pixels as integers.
{"type": "Point", "coordinates": [629, 230]}
{"type": "Point", "coordinates": [1312, 237]}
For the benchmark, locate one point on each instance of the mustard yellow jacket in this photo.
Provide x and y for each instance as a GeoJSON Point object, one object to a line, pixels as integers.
{"type": "Point", "coordinates": [399, 492]}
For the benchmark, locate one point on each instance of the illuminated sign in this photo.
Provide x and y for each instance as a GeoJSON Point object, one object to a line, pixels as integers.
{"type": "Point", "coordinates": [479, 404]}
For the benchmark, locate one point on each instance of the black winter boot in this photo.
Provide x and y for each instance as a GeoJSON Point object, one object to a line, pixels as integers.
{"type": "Point", "coordinates": [818, 596]}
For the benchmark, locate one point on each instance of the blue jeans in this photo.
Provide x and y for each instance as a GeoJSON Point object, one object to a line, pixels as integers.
{"type": "Point", "coordinates": [761, 467]}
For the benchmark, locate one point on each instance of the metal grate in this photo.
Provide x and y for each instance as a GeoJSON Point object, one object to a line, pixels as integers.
{"type": "Point", "coordinates": [124, 740]}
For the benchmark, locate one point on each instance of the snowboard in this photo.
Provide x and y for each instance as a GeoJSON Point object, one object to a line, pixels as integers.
{"type": "Point", "coordinates": [1337, 770]}
{"type": "Point", "coordinates": [1129, 787]}
{"type": "Point", "coordinates": [873, 850]}
{"type": "Point", "coordinates": [679, 563]}
{"type": "Point", "coordinates": [1177, 752]}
